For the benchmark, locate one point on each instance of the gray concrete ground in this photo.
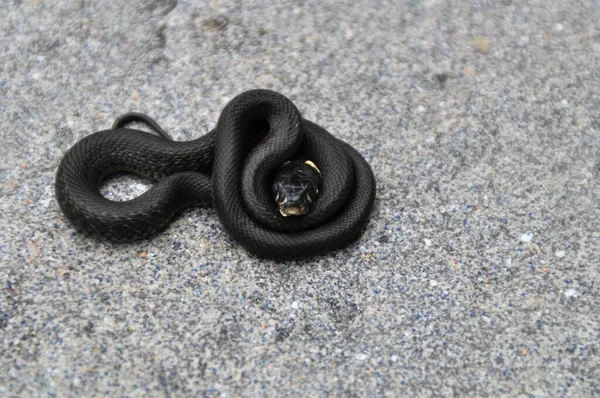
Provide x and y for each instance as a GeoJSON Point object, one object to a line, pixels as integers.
{"type": "Point", "coordinates": [478, 274]}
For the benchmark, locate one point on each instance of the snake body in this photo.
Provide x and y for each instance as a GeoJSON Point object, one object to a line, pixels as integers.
{"type": "Point", "coordinates": [232, 167]}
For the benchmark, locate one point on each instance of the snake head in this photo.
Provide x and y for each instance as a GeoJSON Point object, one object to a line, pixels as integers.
{"type": "Point", "coordinates": [295, 187]}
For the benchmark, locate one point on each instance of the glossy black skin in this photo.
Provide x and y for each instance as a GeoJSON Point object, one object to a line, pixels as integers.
{"type": "Point", "coordinates": [229, 168]}
{"type": "Point", "coordinates": [295, 188]}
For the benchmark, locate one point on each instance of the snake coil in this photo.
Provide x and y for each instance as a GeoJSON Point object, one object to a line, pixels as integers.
{"type": "Point", "coordinates": [231, 167]}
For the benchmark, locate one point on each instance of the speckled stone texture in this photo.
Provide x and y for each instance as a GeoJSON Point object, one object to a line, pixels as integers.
{"type": "Point", "coordinates": [478, 274]}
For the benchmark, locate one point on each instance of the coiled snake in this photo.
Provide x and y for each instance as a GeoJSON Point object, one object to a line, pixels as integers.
{"type": "Point", "coordinates": [231, 167]}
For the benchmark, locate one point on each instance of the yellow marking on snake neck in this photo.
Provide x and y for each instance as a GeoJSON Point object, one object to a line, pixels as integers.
{"type": "Point", "coordinates": [314, 166]}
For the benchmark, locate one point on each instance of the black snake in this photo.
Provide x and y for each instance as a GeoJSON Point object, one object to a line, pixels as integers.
{"type": "Point", "coordinates": [231, 167]}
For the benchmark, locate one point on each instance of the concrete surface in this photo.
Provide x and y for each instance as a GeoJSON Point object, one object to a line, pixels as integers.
{"type": "Point", "coordinates": [478, 274]}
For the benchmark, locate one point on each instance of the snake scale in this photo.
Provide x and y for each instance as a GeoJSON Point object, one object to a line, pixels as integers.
{"type": "Point", "coordinates": [232, 167]}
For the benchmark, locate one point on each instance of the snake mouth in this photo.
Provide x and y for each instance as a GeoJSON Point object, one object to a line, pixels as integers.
{"type": "Point", "coordinates": [297, 210]}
